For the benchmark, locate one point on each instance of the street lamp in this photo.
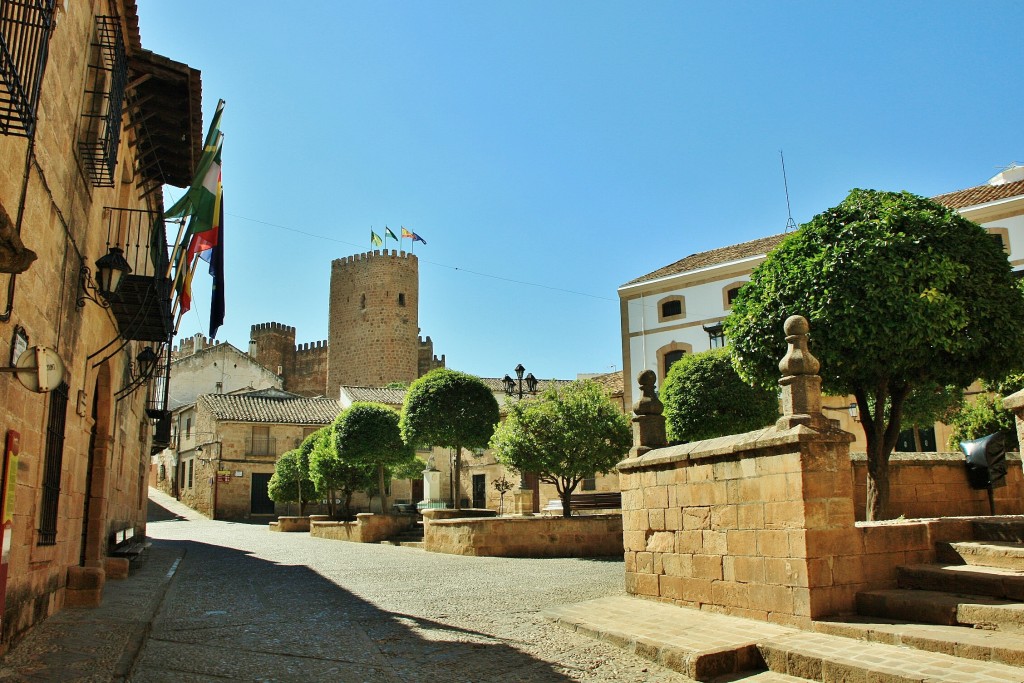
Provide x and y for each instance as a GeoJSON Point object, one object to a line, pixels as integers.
{"type": "Point", "coordinates": [514, 387]}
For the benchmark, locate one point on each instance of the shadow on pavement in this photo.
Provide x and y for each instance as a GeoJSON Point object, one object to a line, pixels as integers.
{"type": "Point", "coordinates": [158, 513]}
{"type": "Point", "coordinates": [230, 614]}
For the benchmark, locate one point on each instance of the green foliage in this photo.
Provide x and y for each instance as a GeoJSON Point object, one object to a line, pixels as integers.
{"type": "Point", "coordinates": [368, 434]}
{"type": "Point", "coordinates": [452, 410]}
{"type": "Point", "coordinates": [900, 292]}
{"type": "Point", "coordinates": [986, 415]}
{"type": "Point", "coordinates": [704, 398]}
{"type": "Point", "coordinates": [291, 473]}
{"type": "Point", "coordinates": [330, 472]}
{"type": "Point", "coordinates": [449, 409]}
{"type": "Point", "coordinates": [897, 288]}
{"type": "Point", "coordinates": [930, 403]}
{"type": "Point", "coordinates": [563, 436]}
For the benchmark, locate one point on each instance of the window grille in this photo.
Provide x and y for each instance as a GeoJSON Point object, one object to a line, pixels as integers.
{"type": "Point", "coordinates": [54, 462]}
{"type": "Point", "coordinates": [100, 132]}
{"type": "Point", "coordinates": [25, 27]}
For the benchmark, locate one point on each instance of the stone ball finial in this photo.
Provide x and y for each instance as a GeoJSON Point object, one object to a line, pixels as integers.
{"type": "Point", "coordinates": [648, 403]}
{"type": "Point", "coordinates": [798, 359]}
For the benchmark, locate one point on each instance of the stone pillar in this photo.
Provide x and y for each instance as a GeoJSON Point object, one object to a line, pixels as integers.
{"type": "Point", "coordinates": [523, 502]}
{"type": "Point", "coordinates": [648, 422]}
{"type": "Point", "coordinates": [431, 487]}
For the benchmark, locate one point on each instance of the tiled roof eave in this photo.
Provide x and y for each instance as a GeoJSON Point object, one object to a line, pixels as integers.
{"type": "Point", "coordinates": [691, 273]}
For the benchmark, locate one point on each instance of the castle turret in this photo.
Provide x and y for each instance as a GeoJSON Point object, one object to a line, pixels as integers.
{"type": "Point", "coordinates": [373, 320]}
{"type": "Point", "coordinates": [272, 345]}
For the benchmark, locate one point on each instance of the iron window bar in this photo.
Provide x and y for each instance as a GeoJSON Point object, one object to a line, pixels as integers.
{"type": "Point", "coordinates": [104, 102]}
{"type": "Point", "coordinates": [25, 28]}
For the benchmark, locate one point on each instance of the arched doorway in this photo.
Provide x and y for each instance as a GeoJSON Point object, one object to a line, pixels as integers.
{"type": "Point", "coordinates": [94, 505]}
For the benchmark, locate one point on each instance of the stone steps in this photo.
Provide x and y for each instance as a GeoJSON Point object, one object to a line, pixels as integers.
{"type": "Point", "coordinates": [995, 582]}
{"type": "Point", "coordinates": [938, 607]}
{"type": "Point", "coordinates": [981, 644]}
{"type": "Point", "coordinates": [824, 657]}
{"type": "Point", "coordinates": [1011, 529]}
{"type": "Point", "coordinates": [1005, 554]}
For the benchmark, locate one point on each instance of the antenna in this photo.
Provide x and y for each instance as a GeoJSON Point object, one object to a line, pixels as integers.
{"type": "Point", "coordinates": [790, 223]}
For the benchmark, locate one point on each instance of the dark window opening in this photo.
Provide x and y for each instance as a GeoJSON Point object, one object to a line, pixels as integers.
{"type": "Point", "coordinates": [401, 299]}
{"type": "Point", "coordinates": [731, 295]}
{"type": "Point", "coordinates": [190, 462]}
{"type": "Point", "coordinates": [589, 483]}
{"type": "Point", "coordinates": [100, 132]}
{"type": "Point", "coordinates": [362, 301]}
{"type": "Point", "coordinates": [917, 440]}
{"type": "Point", "coordinates": [25, 27]}
{"type": "Point", "coordinates": [670, 359]}
{"type": "Point", "coordinates": [55, 422]}
{"type": "Point", "coordinates": [671, 308]}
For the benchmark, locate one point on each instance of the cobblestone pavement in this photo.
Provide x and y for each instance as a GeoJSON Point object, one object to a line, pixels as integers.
{"type": "Point", "coordinates": [249, 604]}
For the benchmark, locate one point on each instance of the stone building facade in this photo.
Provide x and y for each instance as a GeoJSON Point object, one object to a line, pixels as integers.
{"type": "Point", "coordinates": [227, 454]}
{"type": "Point", "coordinates": [81, 176]}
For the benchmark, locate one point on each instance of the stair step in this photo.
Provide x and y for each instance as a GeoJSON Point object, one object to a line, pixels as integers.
{"type": "Point", "coordinates": [996, 582]}
{"type": "Point", "coordinates": [1011, 529]}
{"type": "Point", "coordinates": [937, 607]}
{"type": "Point", "coordinates": [1006, 554]}
{"type": "Point", "coordinates": [764, 677]}
{"type": "Point", "coordinates": [971, 643]}
{"type": "Point", "coordinates": [823, 657]}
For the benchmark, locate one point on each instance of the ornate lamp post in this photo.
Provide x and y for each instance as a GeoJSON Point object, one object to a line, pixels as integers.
{"type": "Point", "coordinates": [514, 387]}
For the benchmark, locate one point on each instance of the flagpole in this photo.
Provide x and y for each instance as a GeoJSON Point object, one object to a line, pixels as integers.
{"type": "Point", "coordinates": [385, 239]}
{"type": "Point", "coordinates": [174, 251]}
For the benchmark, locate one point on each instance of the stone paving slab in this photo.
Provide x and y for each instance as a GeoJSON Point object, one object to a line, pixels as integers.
{"type": "Point", "coordinates": [701, 645]}
{"type": "Point", "coordinates": [822, 657]}
{"type": "Point", "coordinates": [980, 644]}
{"type": "Point", "coordinates": [96, 643]}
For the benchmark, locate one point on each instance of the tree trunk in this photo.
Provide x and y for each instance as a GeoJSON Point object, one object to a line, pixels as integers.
{"type": "Point", "coordinates": [347, 505]}
{"type": "Point", "coordinates": [881, 436]}
{"type": "Point", "coordinates": [566, 503]}
{"type": "Point", "coordinates": [458, 480]}
{"type": "Point", "coordinates": [381, 489]}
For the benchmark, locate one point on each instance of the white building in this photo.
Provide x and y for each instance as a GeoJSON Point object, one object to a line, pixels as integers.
{"type": "Point", "coordinates": [679, 308]}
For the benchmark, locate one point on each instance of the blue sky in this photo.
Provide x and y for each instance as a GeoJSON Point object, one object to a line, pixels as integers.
{"type": "Point", "coordinates": [550, 152]}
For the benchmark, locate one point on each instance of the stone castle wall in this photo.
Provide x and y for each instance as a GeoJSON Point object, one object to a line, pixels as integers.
{"type": "Point", "coordinates": [373, 320]}
{"type": "Point", "coordinates": [309, 374]}
{"type": "Point", "coordinates": [273, 346]}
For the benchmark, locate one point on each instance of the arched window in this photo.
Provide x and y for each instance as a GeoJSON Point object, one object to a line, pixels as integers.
{"type": "Point", "coordinates": [671, 308]}
{"type": "Point", "coordinates": [668, 355]}
{"type": "Point", "coordinates": [729, 293]}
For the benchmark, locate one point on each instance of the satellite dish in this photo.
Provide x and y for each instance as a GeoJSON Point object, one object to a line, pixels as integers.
{"type": "Point", "coordinates": [39, 369]}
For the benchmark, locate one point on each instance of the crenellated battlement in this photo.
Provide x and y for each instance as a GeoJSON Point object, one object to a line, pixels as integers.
{"type": "Point", "coordinates": [272, 326]}
{"type": "Point", "coordinates": [375, 254]}
{"type": "Point", "coordinates": [311, 346]}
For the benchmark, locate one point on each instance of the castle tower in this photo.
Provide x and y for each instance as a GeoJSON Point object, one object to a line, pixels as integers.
{"type": "Point", "coordinates": [273, 346]}
{"type": "Point", "coordinates": [373, 320]}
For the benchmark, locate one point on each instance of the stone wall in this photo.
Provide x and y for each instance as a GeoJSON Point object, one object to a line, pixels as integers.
{"type": "Point", "coordinates": [368, 528]}
{"type": "Point", "coordinates": [373, 320]}
{"type": "Point", "coordinates": [273, 346]}
{"type": "Point", "coordinates": [309, 377]}
{"type": "Point", "coordinates": [589, 536]}
{"type": "Point", "coordinates": [935, 485]}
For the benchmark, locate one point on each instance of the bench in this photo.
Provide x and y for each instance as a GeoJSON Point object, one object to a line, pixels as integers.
{"type": "Point", "coordinates": [123, 544]}
{"type": "Point", "coordinates": [605, 500]}
{"type": "Point", "coordinates": [404, 508]}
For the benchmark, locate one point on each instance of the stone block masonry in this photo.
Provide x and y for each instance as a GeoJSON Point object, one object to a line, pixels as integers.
{"type": "Point", "coordinates": [373, 320]}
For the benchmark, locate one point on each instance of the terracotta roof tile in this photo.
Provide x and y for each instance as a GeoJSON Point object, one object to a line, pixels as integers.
{"type": "Point", "coordinates": [980, 194]}
{"type": "Point", "coordinates": [389, 397]}
{"type": "Point", "coordinates": [611, 381]}
{"type": "Point", "coordinates": [733, 252]}
{"type": "Point", "coordinates": [271, 405]}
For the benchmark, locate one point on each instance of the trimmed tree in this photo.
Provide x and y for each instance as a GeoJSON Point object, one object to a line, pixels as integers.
{"type": "Point", "coordinates": [901, 292]}
{"type": "Point", "coordinates": [334, 475]}
{"type": "Point", "coordinates": [449, 409]}
{"type": "Point", "coordinates": [704, 398]}
{"type": "Point", "coordinates": [291, 481]}
{"type": "Point", "coordinates": [564, 436]}
{"type": "Point", "coordinates": [366, 435]}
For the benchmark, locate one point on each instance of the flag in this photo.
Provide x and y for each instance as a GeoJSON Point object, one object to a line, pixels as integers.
{"type": "Point", "coordinates": [217, 271]}
{"type": "Point", "coordinates": [183, 270]}
{"type": "Point", "coordinates": [406, 234]}
{"type": "Point", "coordinates": [388, 233]}
{"type": "Point", "coordinates": [201, 200]}
{"type": "Point", "coordinates": [375, 239]}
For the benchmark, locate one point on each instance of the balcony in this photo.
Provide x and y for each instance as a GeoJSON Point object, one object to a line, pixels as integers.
{"type": "Point", "coordinates": [261, 445]}
{"type": "Point", "coordinates": [142, 304]}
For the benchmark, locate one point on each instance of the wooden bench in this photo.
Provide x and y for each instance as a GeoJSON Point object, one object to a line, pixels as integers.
{"type": "Point", "coordinates": [123, 544]}
{"type": "Point", "coordinates": [604, 500]}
